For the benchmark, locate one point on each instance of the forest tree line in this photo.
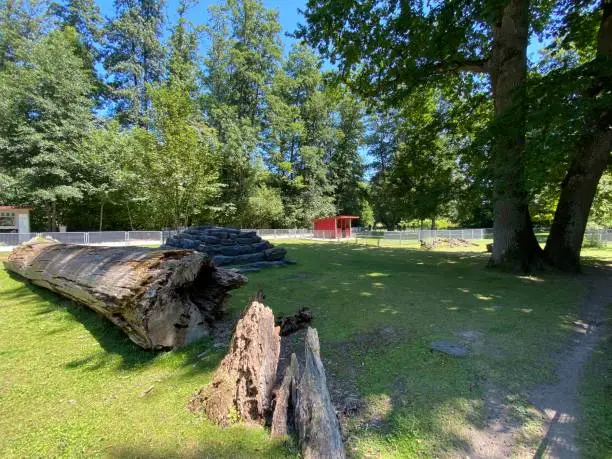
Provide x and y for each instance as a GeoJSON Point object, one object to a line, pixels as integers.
{"type": "Point", "coordinates": [123, 122]}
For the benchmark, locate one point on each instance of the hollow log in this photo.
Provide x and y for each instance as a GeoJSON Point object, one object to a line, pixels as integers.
{"type": "Point", "coordinates": [283, 419]}
{"type": "Point", "coordinates": [159, 298]}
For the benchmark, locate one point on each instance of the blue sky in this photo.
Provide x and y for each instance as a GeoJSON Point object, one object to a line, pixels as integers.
{"type": "Point", "coordinates": [287, 10]}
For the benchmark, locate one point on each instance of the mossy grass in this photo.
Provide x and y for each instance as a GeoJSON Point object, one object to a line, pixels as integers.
{"type": "Point", "coordinates": [71, 384]}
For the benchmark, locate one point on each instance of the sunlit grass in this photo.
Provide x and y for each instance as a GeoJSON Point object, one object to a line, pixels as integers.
{"type": "Point", "coordinates": [595, 433]}
{"type": "Point", "coordinates": [71, 384]}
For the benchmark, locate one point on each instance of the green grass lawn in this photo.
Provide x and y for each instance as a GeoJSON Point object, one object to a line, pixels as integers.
{"type": "Point", "coordinates": [71, 384]}
{"type": "Point", "coordinates": [595, 434]}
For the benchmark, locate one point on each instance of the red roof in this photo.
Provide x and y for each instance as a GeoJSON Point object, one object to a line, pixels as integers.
{"type": "Point", "coordinates": [342, 217]}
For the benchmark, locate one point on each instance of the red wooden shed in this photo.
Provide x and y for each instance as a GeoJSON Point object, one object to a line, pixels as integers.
{"type": "Point", "coordinates": [333, 227]}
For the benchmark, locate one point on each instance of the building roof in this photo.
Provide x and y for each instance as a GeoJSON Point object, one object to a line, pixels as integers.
{"type": "Point", "coordinates": [334, 217]}
{"type": "Point", "coordinates": [5, 208]}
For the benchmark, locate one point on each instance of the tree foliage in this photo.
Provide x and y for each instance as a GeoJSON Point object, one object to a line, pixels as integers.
{"type": "Point", "coordinates": [429, 114]}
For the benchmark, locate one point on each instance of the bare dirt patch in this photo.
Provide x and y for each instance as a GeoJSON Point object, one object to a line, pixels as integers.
{"type": "Point", "coordinates": [548, 427]}
{"type": "Point", "coordinates": [559, 402]}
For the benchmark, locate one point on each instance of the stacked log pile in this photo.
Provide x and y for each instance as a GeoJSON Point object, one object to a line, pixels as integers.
{"type": "Point", "coordinates": [230, 246]}
{"type": "Point", "coordinates": [159, 298]}
{"type": "Point", "coordinates": [445, 242]}
{"type": "Point", "coordinates": [243, 387]}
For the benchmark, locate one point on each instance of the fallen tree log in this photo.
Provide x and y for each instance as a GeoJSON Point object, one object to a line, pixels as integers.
{"type": "Point", "coordinates": [159, 298]}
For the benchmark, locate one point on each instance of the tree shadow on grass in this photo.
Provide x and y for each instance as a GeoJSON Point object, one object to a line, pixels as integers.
{"type": "Point", "coordinates": [232, 449]}
{"type": "Point", "coordinates": [113, 341]}
{"type": "Point", "coordinates": [376, 341]}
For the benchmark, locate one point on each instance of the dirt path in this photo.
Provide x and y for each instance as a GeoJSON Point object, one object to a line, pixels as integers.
{"type": "Point", "coordinates": [556, 404]}
{"type": "Point", "coordinates": [560, 402]}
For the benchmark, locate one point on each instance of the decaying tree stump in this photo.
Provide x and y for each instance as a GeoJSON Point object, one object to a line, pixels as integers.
{"type": "Point", "coordinates": [317, 426]}
{"type": "Point", "coordinates": [159, 298]}
{"type": "Point", "coordinates": [243, 383]}
{"type": "Point", "coordinates": [243, 387]}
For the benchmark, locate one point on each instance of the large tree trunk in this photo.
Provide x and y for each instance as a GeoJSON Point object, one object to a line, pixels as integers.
{"type": "Point", "coordinates": [515, 245]}
{"type": "Point", "coordinates": [587, 166]}
{"type": "Point", "coordinates": [159, 298]}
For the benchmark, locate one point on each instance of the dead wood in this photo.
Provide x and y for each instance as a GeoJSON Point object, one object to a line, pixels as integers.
{"type": "Point", "coordinates": [159, 298]}
{"type": "Point", "coordinates": [317, 426]}
{"type": "Point", "coordinates": [297, 321]}
{"type": "Point", "coordinates": [243, 383]}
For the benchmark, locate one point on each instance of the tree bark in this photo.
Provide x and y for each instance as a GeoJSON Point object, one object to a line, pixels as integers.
{"type": "Point", "coordinates": [243, 383]}
{"type": "Point", "coordinates": [590, 160]}
{"type": "Point", "coordinates": [101, 213]}
{"type": "Point", "coordinates": [283, 419]}
{"type": "Point", "coordinates": [316, 423]}
{"type": "Point", "coordinates": [159, 298]}
{"type": "Point", "coordinates": [303, 406]}
{"type": "Point", "coordinates": [515, 246]}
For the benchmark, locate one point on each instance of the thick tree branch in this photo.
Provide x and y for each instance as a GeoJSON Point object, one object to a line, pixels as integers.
{"type": "Point", "coordinates": [468, 65]}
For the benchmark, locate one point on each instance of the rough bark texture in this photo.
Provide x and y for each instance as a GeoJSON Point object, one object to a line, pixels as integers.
{"type": "Point", "coordinates": [243, 383]}
{"type": "Point", "coordinates": [283, 420]}
{"type": "Point", "coordinates": [587, 166]}
{"type": "Point", "coordinates": [316, 423]}
{"type": "Point", "coordinates": [515, 245]}
{"type": "Point", "coordinates": [297, 321]}
{"type": "Point", "coordinates": [159, 298]}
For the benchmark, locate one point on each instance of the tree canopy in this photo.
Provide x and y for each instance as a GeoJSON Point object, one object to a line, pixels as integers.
{"type": "Point", "coordinates": [407, 113]}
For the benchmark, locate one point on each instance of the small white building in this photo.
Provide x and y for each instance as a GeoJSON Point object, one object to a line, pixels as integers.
{"type": "Point", "coordinates": [14, 219]}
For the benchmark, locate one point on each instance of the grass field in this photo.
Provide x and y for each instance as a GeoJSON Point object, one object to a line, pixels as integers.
{"type": "Point", "coordinates": [71, 384]}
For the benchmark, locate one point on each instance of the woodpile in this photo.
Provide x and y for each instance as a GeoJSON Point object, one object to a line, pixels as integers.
{"type": "Point", "coordinates": [243, 387]}
{"type": "Point", "coordinates": [159, 298]}
{"type": "Point", "coordinates": [230, 246]}
{"type": "Point", "coordinates": [445, 242]}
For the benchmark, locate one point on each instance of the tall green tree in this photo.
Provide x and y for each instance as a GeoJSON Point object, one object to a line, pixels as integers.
{"type": "Point", "coordinates": [585, 29]}
{"type": "Point", "coordinates": [244, 53]}
{"type": "Point", "coordinates": [425, 42]}
{"type": "Point", "coordinates": [381, 142]}
{"type": "Point", "coordinates": [84, 17]}
{"type": "Point", "coordinates": [302, 137]}
{"type": "Point", "coordinates": [48, 96]}
{"type": "Point", "coordinates": [179, 167]}
{"type": "Point", "coordinates": [21, 23]}
{"type": "Point", "coordinates": [183, 65]}
{"type": "Point", "coordinates": [134, 57]}
{"type": "Point", "coordinates": [346, 166]}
